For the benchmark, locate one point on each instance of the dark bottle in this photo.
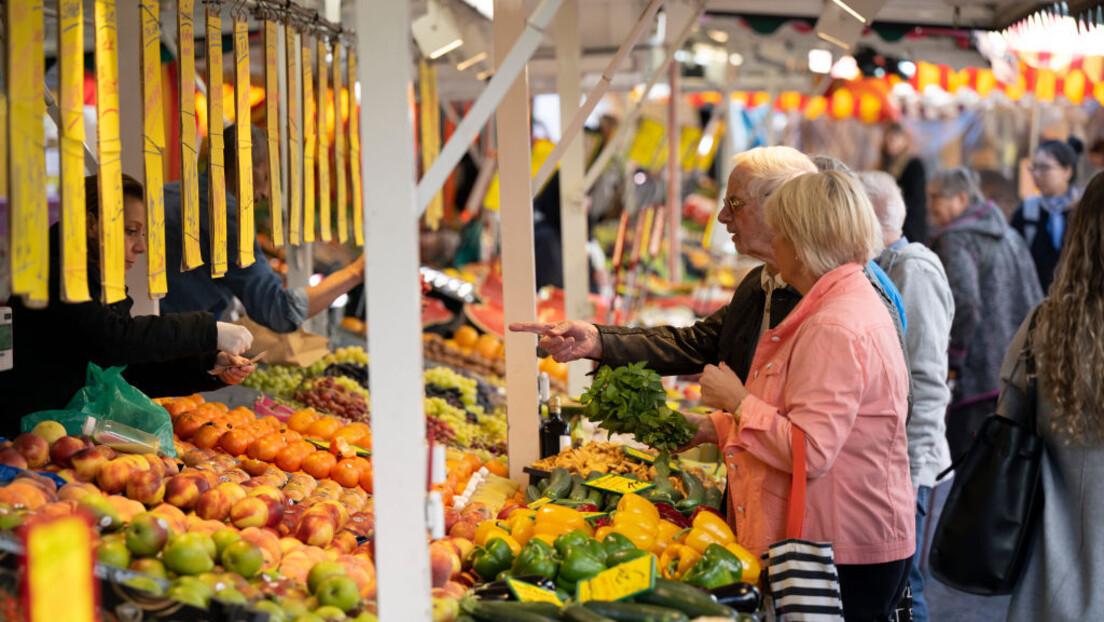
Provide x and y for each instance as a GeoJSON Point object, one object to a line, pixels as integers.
{"type": "Point", "coordinates": [554, 431]}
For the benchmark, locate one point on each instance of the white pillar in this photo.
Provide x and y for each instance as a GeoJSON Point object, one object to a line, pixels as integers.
{"type": "Point", "coordinates": [394, 312]}
{"type": "Point", "coordinates": [518, 265]}
{"type": "Point", "coordinates": [674, 177]}
{"type": "Point", "coordinates": [573, 217]}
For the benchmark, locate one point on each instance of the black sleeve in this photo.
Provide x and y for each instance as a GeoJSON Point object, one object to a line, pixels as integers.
{"type": "Point", "coordinates": [181, 376]}
{"type": "Point", "coordinates": [112, 337]}
{"type": "Point", "coordinates": [1017, 221]}
{"type": "Point", "coordinates": [668, 350]}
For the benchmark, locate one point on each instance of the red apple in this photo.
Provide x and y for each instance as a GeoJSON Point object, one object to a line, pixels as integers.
{"type": "Point", "coordinates": [506, 511]}
{"type": "Point", "coordinates": [441, 564]}
{"type": "Point", "coordinates": [12, 458]}
{"type": "Point", "coordinates": [464, 529]}
{"type": "Point", "coordinates": [63, 450]}
{"type": "Point", "coordinates": [88, 462]}
{"type": "Point", "coordinates": [182, 491]}
{"type": "Point", "coordinates": [213, 504]}
{"type": "Point", "coordinates": [114, 474]}
{"type": "Point", "coordinates": [315, 529]}
{"type": "Point", "coordinates": [147, 487]}
{"type": "Point", "coordinates": [249, 512]}
{"type": "Point", "coordinates": [34, 448]}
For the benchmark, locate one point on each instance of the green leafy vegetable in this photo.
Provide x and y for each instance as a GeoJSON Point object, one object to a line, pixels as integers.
{"type": "Point", "coordinates": [631, 400]}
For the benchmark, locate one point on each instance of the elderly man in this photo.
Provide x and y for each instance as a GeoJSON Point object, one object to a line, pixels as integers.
{"type": "Point", "coordinates": [929, 305]}
{"type": "Point", "coordinates": [728, 337]}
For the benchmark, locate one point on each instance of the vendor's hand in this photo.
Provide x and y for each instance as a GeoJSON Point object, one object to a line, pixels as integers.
{"type": "Point", "coordinates": [721, 388]}
{"type": "Point", "coordinates": [565, 341]}
{"type": "Point", "coordinates": [233, 339]}
{"type": "Point", "coordinates": [232, 369]}
{"type": "Point", "coordinates": [707, 432]}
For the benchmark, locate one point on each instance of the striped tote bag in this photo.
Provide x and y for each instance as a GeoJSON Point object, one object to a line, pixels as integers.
{"type": "Point", "coordinates": [801, 575]}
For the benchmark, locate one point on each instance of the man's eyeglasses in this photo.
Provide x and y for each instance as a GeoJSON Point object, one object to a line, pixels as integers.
{"type": "Point", "coordinates": [733, 204]}
{"type": "Point", "coordinates": [1039, 168]}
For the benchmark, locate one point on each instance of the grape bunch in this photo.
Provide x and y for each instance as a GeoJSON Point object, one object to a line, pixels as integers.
{"type": "Point", "coordinates": [350, 354]}
{"type": "Point", "coordinates": [335, 396]}
{"type": "Point", "coordinates": [277, 380]}
{"type": "Point", "coordinates": [442, 432]}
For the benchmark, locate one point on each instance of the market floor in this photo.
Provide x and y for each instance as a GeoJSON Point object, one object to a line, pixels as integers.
{"type": "Point", "coordinates": [949, 605]}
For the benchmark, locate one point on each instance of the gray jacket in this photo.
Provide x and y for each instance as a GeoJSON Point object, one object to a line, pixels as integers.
{"type": "Point", "coordinates": [930, 308]}
{"type": "Point", "coordinates": [1062, 580]}
{"type": "Point", "coordinates": [993, 281]}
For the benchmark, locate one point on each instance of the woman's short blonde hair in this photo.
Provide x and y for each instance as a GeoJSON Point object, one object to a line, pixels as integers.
{"type": "Point", "coordinates": [828, 218]}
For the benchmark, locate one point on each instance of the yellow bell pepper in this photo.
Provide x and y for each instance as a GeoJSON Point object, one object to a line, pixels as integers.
{"type": "Point", "coordinates": [751, 564]}
{"type": "Point", "coordinates": [521, 527]}
{"type": "Point", "coordinates": [566, 518]}
{"type": "Point", "coordinates": [676, 560]}
{"type": "Point", "coordinates": [486, 530]}
{"type": "Point", "coordinates": [641, 535]}
{"type": "Point", "coordinates": [548, 539]}
{"type": "Point", "coordinates": [601, 533]}
{"type": "Point", "coordinates": [635, 504]}
{"type": "Point", "coordinates": [708, 528]}
{"type": "Point", "coordinates": [665, 535]}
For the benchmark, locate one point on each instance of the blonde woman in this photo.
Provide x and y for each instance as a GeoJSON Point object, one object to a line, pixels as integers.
{"type": "Point", "coordinates": [1062, 579]}
{"type": "Point", "coordinates": [833, 368]}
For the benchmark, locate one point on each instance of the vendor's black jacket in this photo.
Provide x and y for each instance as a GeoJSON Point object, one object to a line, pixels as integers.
{"type": "Point", "coordinates": [165, 355]}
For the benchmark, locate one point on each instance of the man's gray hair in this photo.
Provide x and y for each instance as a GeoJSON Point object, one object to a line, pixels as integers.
{"type": "Point", "coordinates": [950, 181]}
{"type": "Point", "coordinates": [768, 168]}
{"type": "Point", "coordinates": [886, 198]}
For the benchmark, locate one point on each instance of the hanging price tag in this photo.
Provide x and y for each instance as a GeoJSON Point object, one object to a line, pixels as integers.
{"type": "Point", "coordinates": [189, 171]}
{"type": "Point", "coordinates": [593, 515]}
{"type": "Point", "coordinates": [529, 593]}
{"type": "Point", "coordinates": [111, 227]}
{"type": "Point", "coordinates": [272, 127]}
{"type": "Point", "coordinates": [354, 153]}
{"type": "Point", "coordinates": [539, 503]}
{"type": "Point", "coordinates": [618, 484]}
{"type": "Point", "coordinates": [246, 228]}
{"type": "Point", "coordinates": [622, 581]}
{"type": "Point", "coordinates": [310, 143]}
{"type": "Point", "coordinates": [59, 554]}
{"type": "Point", "coordinates": [295, 149]}
{"type": "Point", "coordinates": [74, 228]}
{"type": "Point", "coordinates": [153, 146]}
{"type": "Point", "coordinates": [325, 445]}
{"type": "Point", "coordinates": [646, 457]}
{"type": "Point", "coordinates": [323, 156]}
{"type": "Point", "coordinates": [216, 174]}
{"type": "Point", "coordinates": [339, 148]}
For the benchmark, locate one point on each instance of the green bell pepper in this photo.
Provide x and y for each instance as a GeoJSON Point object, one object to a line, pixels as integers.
{"type": "Point", "coordinates": [491, 558]}
{"type": "Point", "coordinates": [615, 543]}
{"type": "Point", "coordinates": [626, 555]}
{"type": "Point", "coordinates": [579, 563]}
{"type": "Point", "coordinates": [536, 558]}
{"type": "Point", "coordinates": [717, 567]}
{"type": "Point", "coordinates": [596, 550]}
{"type": "Point", "coordinates": [571, 538]}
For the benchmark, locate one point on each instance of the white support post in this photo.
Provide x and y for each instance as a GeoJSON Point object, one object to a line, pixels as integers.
{"type": "Point", "coordinates": [674, 177]}
{"type": "Point", "coordinates": [573, 216]}
{"type": "Point", "coordinates": [571, 130]}
{"type": "Point", "coordinates": [394, 313]}
{"type": "Point", "coordinates": [518, 264]}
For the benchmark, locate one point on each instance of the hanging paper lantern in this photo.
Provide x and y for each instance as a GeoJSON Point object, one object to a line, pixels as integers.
{"type": "Point", "coordinates": [789, 101]}
{"type": "Point", "coordinates": [986, 81]}
{"type": "Point", "coordinates": [1045, 85]}
{"type": "Point", "coordinates": [1074, 87]}
{"type": "Point", "coordinates": [816, 107]}
{"type": "Point", "coordinates": [843, 104]}
{"type": "Point", "coordinates": [870, 108]}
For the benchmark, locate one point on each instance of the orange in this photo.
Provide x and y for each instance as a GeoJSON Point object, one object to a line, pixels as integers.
{"type": "Point", "coordinates": [289, 458]}
{"type": "Point", "coordinates": [235, 442]}
{"type": "Point", "coordinates": [266, 447]}
{"type": "Point", "coordinates": [366, 478]}
{"type": "Point", "coordinates": [301, 419]}
{"type": "Point", "coordinates": [465, 336]}
{"type": "Point", "coordinates": [498, 468]}
{"type": "Point", "coordinates": [319, 464]}
{"type": "Point", "coordinates": [324, 428]}
{"type": "Point", "coordinates": [346, 472]}
{"type": "Point", "coordinates": [487, 346]}
{"type": "Point", "coordinates": [208, 435]}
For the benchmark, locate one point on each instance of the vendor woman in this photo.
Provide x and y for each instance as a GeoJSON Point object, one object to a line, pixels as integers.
{"type": "Point", "coordinates": [165, 355]}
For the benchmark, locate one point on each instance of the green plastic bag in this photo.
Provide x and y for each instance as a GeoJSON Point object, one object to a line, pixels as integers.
{"type": "Point", "coordinates": [106, 395]}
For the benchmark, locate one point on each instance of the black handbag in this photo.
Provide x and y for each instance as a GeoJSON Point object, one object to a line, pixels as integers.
{"type": "Point", "coordinates": [984, 533]}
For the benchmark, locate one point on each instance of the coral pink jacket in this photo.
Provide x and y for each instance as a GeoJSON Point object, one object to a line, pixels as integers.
{"type": "Point", "coordinates": [834, 368]}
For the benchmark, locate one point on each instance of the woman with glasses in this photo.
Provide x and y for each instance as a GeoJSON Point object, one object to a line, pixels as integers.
{"type": "Point", "coordinates": [1041, 219]}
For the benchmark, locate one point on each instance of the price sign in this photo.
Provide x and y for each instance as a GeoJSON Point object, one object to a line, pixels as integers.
{"type": "Point", "coordinates": [590, 515]}
{"type": "Point", "coordinates": [646, 457]}
{"type": "Point", "coordinates": [539, 503]}
{"type": "Point", "coordinates": [529, 593]}
{"type": "Point", "coordinates": [618, 484]}
{"type": "Point", "coordinates": [620, 582]}
{"type": "Point", "coordinates": [59, 553]}
{"type": "Point", "coordinates": [360, 451]}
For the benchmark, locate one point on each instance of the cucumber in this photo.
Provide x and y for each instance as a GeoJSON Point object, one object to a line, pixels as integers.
{"type": "Point", "coordinates": [713, 498]}
{"type": "Point", "coordinates": [579, 613]}
{"type": "Point", "coordinates": [510, 611]}
{"type": "Point", "coordinates": [559, 484]}
{"type": "Point", "coordinates": [695, 491]}
{"type": "Point", "coordinates": [578, 491]}
{"type": "Point", "coordinates": [542, 485]}
{"type": "Point", "coordinates": [594, 497]}
{"type": "Point", "coordinates": [686, 598]}
{"type": "Point", "coordinates": [634, 612]}
{"type": "Point", "coordinates": [532, 493]}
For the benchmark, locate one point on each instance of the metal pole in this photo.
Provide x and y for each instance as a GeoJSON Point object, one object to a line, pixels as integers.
{"type": "Point", "coordinates": [674, 178]}
{"type": "Point", "coordinates": [629, 122]}
{"type": "Point", "coordinates": [394, 327]}
{"type": "Point", "coordinates": [596, 94]}
{"type": "Point", "coordinates": [507, 71]}
{"type": "Point", "coordinates": [518, 264]}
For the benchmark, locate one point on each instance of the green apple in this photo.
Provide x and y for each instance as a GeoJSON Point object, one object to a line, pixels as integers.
{"type": "Point", "coordinates": [201, 539]}
{"type": "Point", "coordinates": [231, 595]}
{"type": "Point", "coordinates": [320, 572]}
{"type": "Point", "coordinates": [114, 552]}
{"type": "Point", "coordinates": [307, 617]}
{"type": "Point", "coordinates": [366, 616]}
{"type": "Point", "coordinates": [104, 515]}
{"type": "Point", "coordinates": [188, 557]}
{"type": "Point", "coordinates": [146, 584]}
{"type": "Point", "coordinates": [222, 538]}
{"type": "Point", "coordinates": [338, 591]}
{"type": "Point", "coordinates": [242, 557]}
{"type": "Point", "coordinates": [10, 520]}
{"type": "Point", "coordinates": [150, 566]}
{"type": "Point", "coordinates": [146, 534]}
{"type": "Point", "coordinates": [275, 613]}
{"type": "Point", "coordinates": [195, 585]}
{"type": "Point", "coordinates": [330, 613]}
{"type": "Point", "coordinates": [190, 595]}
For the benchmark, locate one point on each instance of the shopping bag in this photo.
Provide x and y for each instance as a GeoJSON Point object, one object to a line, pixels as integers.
{"type": "Point", "coordinates": [106, 395]}
{"type": "Point", "coordinates": [298, 349]}
{"type": "Point", "coordinates": [801, 575]}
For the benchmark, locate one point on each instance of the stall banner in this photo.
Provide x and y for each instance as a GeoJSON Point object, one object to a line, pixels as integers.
{"type": "Point", "coordinates": [216, 173]}
{"type": "Point", "coordinates": [110, 226]}
{"type": "Point", "coordinates": [295, 162]}
{"type": "Point", "coordinates": [74, 228]}
{"type": "Point", "coordinates": [324, 108]}
{"type": "Point", "coordinates": [310, 144]}
{"type": "Point", "coordinates": [28, 211]}
{"type": "Point", "coordinates": [339, 149]}
{"type": "Point", "coordinates": [354, 152]}
{"type": "Point", "coordinates": [189, 171]}
{"type": "Point", "coordinates": [153, 146]}
{"type": "Point", "coordinates": [246, 227]}
{"type": "Point", "coordinates": [272, 130]}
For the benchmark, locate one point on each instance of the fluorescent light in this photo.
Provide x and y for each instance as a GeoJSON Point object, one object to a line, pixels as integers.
{"type": "Point", "coordinates": [483, 75]}
{"type": "Point", "coordinates": [719, 36]}
{"type": "Point", "coordinates": [436, 32]}
{"type": "Point", "coordinates": [846, 7]}
{"type": "Point", "coordinates": [736, 59]}
{"type": "Point", "coordinates": [445, 49]}
{"type": "Point", "coordinates": [464, 65]}
{"type": "Point", "coordinates": [830, 39]}
{"type": "Point", "coordinates": [820, 61]}
{"type": "Point", "coordinates": [705, 145]}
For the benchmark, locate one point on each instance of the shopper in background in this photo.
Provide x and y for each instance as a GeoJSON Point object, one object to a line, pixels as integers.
{"type": "Point", "coordinates": [994, 284]}
{"type": "Point", "coordinates": [259, 288]}
{"type": "Point", "coordinates": [1062, 578]}
{"type": "Point", "coordinates": [833, 368]}
{"type": "Point", "coordinates": [1041, 219]}
{"type": "Point", "coordinates": [929, 305]}
{"type": "Point", "coordinates": [165, 355]}
{"type": "Point", "coordinates": [899, 161]}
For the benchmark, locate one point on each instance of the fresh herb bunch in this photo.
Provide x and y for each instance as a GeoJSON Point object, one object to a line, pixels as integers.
{"type": "Point", "coordinates": [631, 400]}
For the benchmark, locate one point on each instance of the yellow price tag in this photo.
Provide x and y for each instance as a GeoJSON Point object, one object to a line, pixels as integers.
{"type": "Point", "coordinates": [354, 154]}
{"type": "Point", "coordinates": [310, 144]}
{"type": "Point", "coordinates": [153, 146]}
{"type": "Point", "coordinates": [360, 451]}
{"type": "Point", "coordinates": [618, 484]}
{"type": "Point", "coordinates": [111, 227]}
{"type": "Point", "coordinates": [649, 135]}
{"type": "Point", "coordinates": [644, 456]}
{"type": "Point", "coordinates": [689, 139]}
{"type": "Point", "coordinates": [216, 173]}
{"type": "Point", "coordinates": [323, 157]}
{"type": "Point", "coordinates": [339, 149]}
{"type": "Point", "coordinates": [246, 228]}
{"type": "Point", "coordinates": [295, 150]}
{"type": "Point", "coordinates": [59, 553]}
{"type": "Point", "coordinates": [539, 503]}
{"type": "Point", "coordinates": [620, 582]}
{"type": "Point", "coordinates": [590, 515]}
{"type": "Point", "coordinates": [189, 171]}
{"type": "Point", "coordinates": [429, 126]}
{"type": "Point", "coordinates": [529, 593]}
{"type": "Point", "coordinates": [272, 127]}
{"type": "Point", "coordinates": [74, 228]}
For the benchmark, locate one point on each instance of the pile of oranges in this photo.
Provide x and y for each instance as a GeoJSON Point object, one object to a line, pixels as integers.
{"type": "Point", "coordinates": [468, 341]}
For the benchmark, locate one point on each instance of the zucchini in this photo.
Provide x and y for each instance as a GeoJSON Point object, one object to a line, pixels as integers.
{"type": "Point", "coordinates": [713, 498]}
{"type": "Point", "coordinates": [579, 613]}
{"type": "Point", "coordinates": [695, 491]}
{"type": "Point", "coordinates": [578, 491]}
{"type": "Point", "coordinates": [594, 497]}
{"type": "Point", "coordinates": [542, 485]}
{"type": "Point", "coordinates": [686, 598]}
{"type": "Point", "coordinates": [510, 611]}
{"type": "Point", "coordinates": [532, 493]}
{"type": "Point", "coordinates": [634, 612]}
{"type": "Point", "coordinates": [559, 484]}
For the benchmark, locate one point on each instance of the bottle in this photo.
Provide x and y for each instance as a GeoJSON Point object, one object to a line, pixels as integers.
{"type": "Point", "coordinates": [554, 432]}
{"type": "Point", "coordinates": [121, 437]}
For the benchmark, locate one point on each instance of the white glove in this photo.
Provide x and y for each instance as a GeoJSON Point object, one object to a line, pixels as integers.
{"type": "Point", "coordinates": [233, 339]}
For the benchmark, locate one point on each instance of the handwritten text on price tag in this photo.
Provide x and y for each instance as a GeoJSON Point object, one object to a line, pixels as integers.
{"type": "Point", "coordinates": [618, 484]}
{"type": "Point", "coordinates": [529, 593]}
{"type": "Point", "coordinates": [621, 581]}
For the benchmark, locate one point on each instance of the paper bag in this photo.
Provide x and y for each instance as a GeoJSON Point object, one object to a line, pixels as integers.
{"type": "Point", "coordinates": [299, 349]}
